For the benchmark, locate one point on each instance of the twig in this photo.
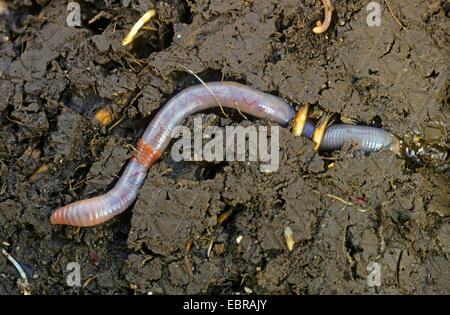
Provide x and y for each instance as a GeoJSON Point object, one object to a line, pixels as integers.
{"type": "Point", "coordinates": [95, 18]}
{"type": "Point", "coordinates": [86, 283]}
{"type": "Point", "coordinates": [24, 284]}
{"type": "Point", "coordinates": [116, 123]}
{"type": "Point", "coordinates": [392, 13]}
{"type": "Point", "coordinates": [347, 203]}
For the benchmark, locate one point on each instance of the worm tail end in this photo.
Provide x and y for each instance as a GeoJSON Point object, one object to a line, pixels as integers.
{"type": "Point", "coordinates": [87, 212]}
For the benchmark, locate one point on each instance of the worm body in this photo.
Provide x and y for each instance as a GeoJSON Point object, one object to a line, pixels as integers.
{"type": "Point", "coordinates": [157, 136]}
{"type": "Point", "coordinates": [99, 209]}
{"type": "Point", "coordinates": [198, 98]}
{"type": "Point", "coordinates": [368, 139]}
{"type": "Point", "coordinates": [328, 9]}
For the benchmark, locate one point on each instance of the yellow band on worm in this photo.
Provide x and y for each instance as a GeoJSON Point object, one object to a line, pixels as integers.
{"type": "Point", "coordinates": [320, 130]}
{"type": "Point", "coordinates": [300, 121]}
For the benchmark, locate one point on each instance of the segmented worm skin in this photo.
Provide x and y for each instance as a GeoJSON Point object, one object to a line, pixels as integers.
{"type": "Point", "coordinates": [99, 209]}
{"type": "Point", "coordinates": [368, 139]}
{"type": "Point", "coordinates": [157, 136]}
{"type": "Point", "coordinates": [198, 98]}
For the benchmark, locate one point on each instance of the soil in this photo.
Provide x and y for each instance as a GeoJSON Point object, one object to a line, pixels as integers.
{"type": "Point", "coordinates": [346, 209]}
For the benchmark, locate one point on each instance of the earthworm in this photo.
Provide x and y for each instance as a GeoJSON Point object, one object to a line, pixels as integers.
{"type": "Point", "coordinates": [322, 27]}
{"type": "Point", "coordinates": [157, 136]}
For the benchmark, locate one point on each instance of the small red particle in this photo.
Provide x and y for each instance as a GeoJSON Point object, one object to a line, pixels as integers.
{"type": "Point", "coordinates": [95, 259]}
{"type": "Point", "coordinates": [361, 200]}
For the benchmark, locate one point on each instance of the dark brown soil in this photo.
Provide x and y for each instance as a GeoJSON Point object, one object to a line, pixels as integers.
{"type": "Point", "coordinates": [54, 78]}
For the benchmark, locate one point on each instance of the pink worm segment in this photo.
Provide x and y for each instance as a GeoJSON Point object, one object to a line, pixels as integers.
{"type": "Point", "coordinates": [157, 136]}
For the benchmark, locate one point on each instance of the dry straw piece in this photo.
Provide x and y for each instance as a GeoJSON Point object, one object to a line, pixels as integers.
{"type": "Point", "coordinates": [289, 237]}
{"type": "Point", "coordinates": [136, 27]}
